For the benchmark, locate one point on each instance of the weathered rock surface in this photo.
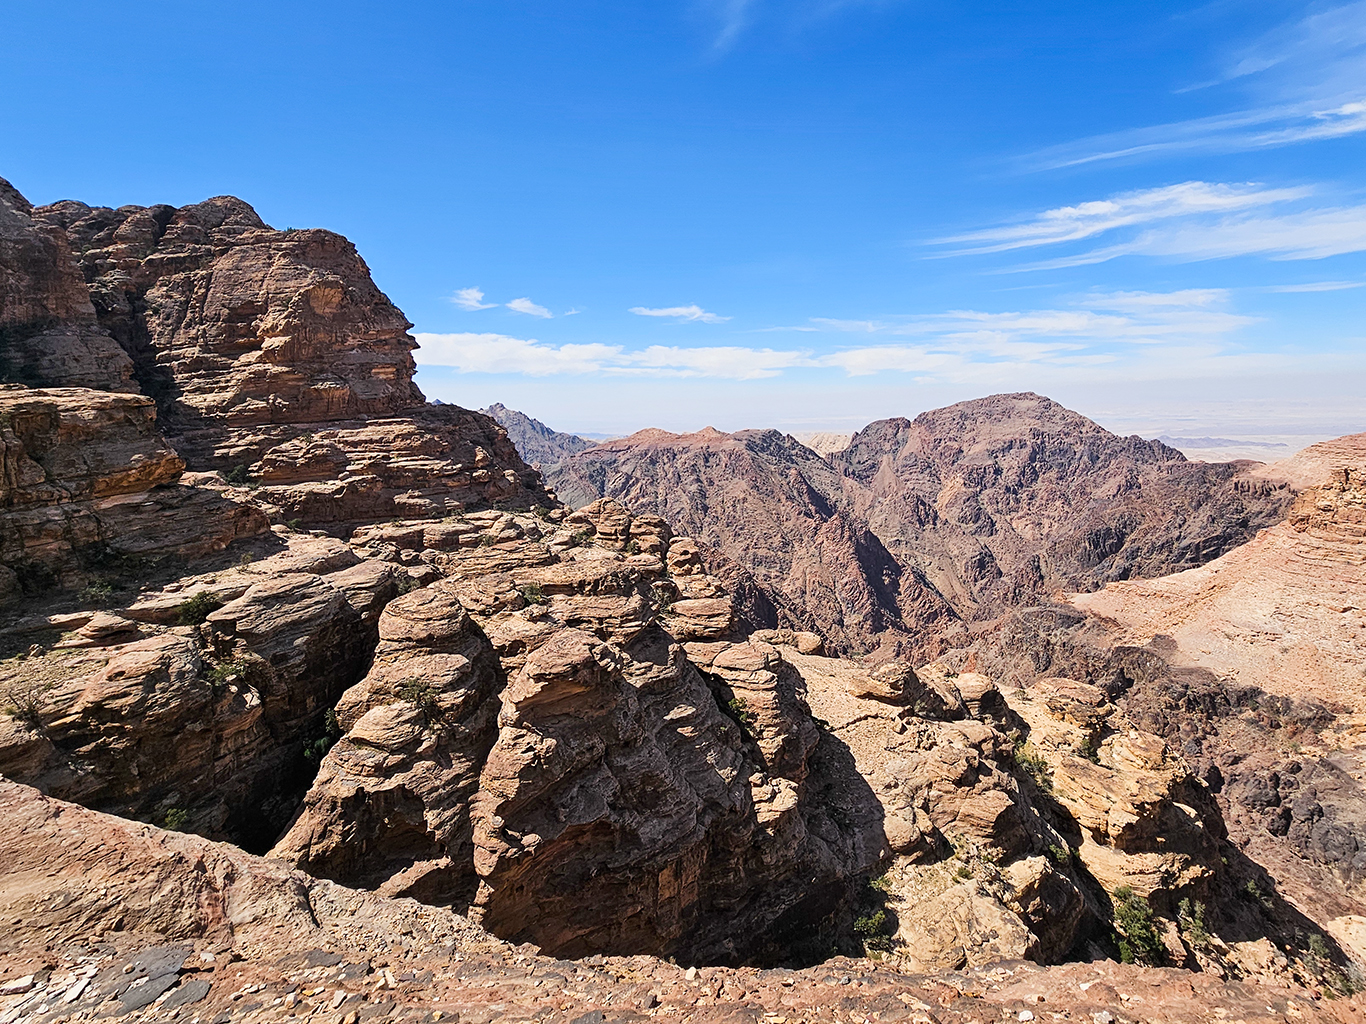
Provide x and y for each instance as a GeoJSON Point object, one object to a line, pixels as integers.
{"type": "Point", "coordinates": [87, 478]}
{"type": "Point", "coordinates": [1260, 676]}
{"type": "Point", "coordinates": [918, 527]}
{"type": "Point", "coordinates": [773, 506]}
{"type": "Point", "coordinates": [49, 334]}
{"type": "Point", "coordinates": [207, 723]}
{"type": "Point", "coordinates": [535, 741]}
{"type": "Point", "coordinates": [272, 356]}
{"type": "Point", "coordinates": [205, 930]}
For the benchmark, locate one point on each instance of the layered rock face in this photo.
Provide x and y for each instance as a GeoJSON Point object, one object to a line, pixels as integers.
{"type": "Point", "coordinates": [272, 356]}
{"type": "Point", "coordinates": [535, 741]}
{"type": "Point", "coordinates": [208, 723]}
{"type": "Point", "coordinates": [49, 334]}
{"type": "Point", "coordinates": [773, 506]}
{"type": "Point", "coordinates": [87, 479]}
{"type": "Point", "coordinates": [1255, 664]}
{"type": "Point", "coordinates": [918, 527]}
{"type": "Point", "coordinates": [1004, 500]}
{"type": "Point", "coordinates": [200, 929]}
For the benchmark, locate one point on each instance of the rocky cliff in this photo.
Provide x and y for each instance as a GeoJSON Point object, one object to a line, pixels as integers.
{"type": "Point", "coordinates": [776, 508]}
{"type": "Point", "coordinates": [202, 930]}
{"type": "Point", "coordinates": [920, 528]}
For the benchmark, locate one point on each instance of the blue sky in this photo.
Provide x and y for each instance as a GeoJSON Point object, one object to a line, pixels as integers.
{"type": "Point", "coordinates": [806, 214]}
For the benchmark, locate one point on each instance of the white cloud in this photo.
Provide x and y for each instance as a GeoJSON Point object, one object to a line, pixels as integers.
{"type": "Point", "coordinates": [1192, 221]}
{"type": "Point", "coordinates": [499, 353]}
{"type": "Point", "coordinates": [525, 305]}
{"type": "Point", "coordinates": [1306, 235]}
{"type": "Point", "coordinates": [734, 16]}
{"type": "Point", "coordinates": [1317, 286]}
{"type": "Point", "coordinates": [689, 313]}
{"type": "Point", "coordinates": [471, 299]}
{"type": "Point", "coordinates": [1103, 329]}
{"type": "Point", "coordinates": [1085, 220]}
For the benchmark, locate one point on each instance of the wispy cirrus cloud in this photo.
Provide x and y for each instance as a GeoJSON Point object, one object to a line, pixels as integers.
{"type": "Point", "coordinates": [1316, 286]}
{"type": "Point", "coordinates": [1305, 81]}
{"type": "Point", "coordinates": [1085, 220]}
{"type": "Point", "coordinates": [1192, 221]}
{"type": "Point", "coordinates": [693, 314]}
{"type": "Point", "coordinates": [959, 345]}
{"type": "Point", "coordinates": [733, 18]}
{"type": "Point", "coordinates": [525, 305]}
{"type": "Point", "coordinates": [471, 299]}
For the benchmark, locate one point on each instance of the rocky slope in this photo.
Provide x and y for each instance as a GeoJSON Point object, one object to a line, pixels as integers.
{"type": "Point", "coordinates": [272, 357]}
{"type": "Point", "coordinates": [920, 528]}
{"type": "Point", "coordinates": [774, 507]}
{"type": "Point", "coordinates": [202, 931]}
{"type": "Point", "coordinates": [49, 333]}
{"type": "Point", "coordinates": [1274, 628]}
{"type": "Point", "coordinates": [536, 443]}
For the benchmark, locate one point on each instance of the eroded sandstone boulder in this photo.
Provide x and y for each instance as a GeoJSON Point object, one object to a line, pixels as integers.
{"type": "Point", "coordinates": [535, 742]}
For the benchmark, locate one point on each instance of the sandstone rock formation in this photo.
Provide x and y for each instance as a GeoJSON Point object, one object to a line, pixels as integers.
{"type": "Point", "coordinates": [1262, 649]}
{"type": "Point", "coordinates": [86, 480]}
{"type": "Point", "coordinates": [557, 736]}
{"type": "Point", "coordinates": [773, 506]}
{"type": "Point", "coordinates": [49, 334]}
{"type": "Point", "coordinates": [276, 598]}
{"type": "Point", "coordinates": [920, 527]}
{"type": "Point", "coordinates": [199, 929]}
{"type": "Point", "coordinates": [206, 724]}
{"type": "Point", "coordinates": [272, 357]}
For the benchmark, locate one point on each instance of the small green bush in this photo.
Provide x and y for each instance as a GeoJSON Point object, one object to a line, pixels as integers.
{"type": "Point", "coordinates": [1256, 894]}
{"type": "Point", "coordinates": [237, 476]}
{"type": "Point", "coordinates": [419, 693]}
{"type": "Point", "coordinates": [1033, 764]}
{"type": "Point", "coordinates": [740, 711]}
{"type": "Point", "coordinates": [196, 609]}
{"type": "Point", "coordinates": [1060, 855]}
{"type": "Point", "coordinates": [25, 701]}
{"type": "Point", "coordinates": [176, 819]}
{"type": "Point", "coordinates": [633, 547]}
{"type": "Point", "coordinates": [874, 930]}
{"type": "Point", "coordinates": [316, 749]}
{"type": "Point", "coordinates": [97, 594]}
{"type": "Point", "coordinates": [1190, 915]}
{"type": "Point", "coordinates": [1139, 942]}
{"type": "Point", "coordinates": [533, 593]}
{"type": "Point", "coordinates": [964, 872]}
{"type": "Point", "coordinates": [294, 524]}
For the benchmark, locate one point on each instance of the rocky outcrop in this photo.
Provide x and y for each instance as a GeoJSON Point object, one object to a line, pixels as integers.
{"type": "Point", "coordinates": [535, 741]}
{"type": "Point", "coordinates": [1002, 501]}
{"type": "Point", "coordinates": [49, 334]}
{"type": "Point", "coordinates": [88, 480]}
{"type": "Point", "coordinates": [272, 357]}
{"type": "Point", "coordinates": [918, 529]}
{"type": "Point", "coordinates": [773, 506]}
{"type": "Point", "coordinates": [201, 929]}
{"type": "Point", "coordinates": [536, 443]}
{"type": "Point", "coordinates": [232, 323]}
{"type": "Point", "coordinates": [207, 724]}
{"type": "Point", "coordinates": [1253, 664]}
